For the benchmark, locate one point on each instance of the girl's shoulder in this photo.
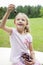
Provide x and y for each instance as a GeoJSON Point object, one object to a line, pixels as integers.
{"type": "Point", "coordinates": [29, 37]}
{"type": "Point", "coordinates": [13, 31]}
{"type": "Point", "coordinates": [13, 28]}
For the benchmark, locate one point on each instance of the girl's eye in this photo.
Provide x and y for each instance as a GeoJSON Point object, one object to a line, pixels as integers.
{"type": "Point", "coordinates": [18, 19]}
{"type": "Point", "coordinates": [23, 20]}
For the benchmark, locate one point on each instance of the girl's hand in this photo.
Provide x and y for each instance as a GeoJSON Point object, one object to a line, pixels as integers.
{"type": "Point", "coordinates": [10, 8]}
{"type": "Point", "coordinates": [33, 61]}
{"type": "Point", "coordinates": [29, 63]}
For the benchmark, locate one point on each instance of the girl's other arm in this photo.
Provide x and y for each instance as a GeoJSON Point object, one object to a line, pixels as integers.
{"type": "Point", "coordinates": [31, 50]}
{"type": "Point", "coordinates": [32, 54]}
{"type": "Point", "coordinates": [2, 24]}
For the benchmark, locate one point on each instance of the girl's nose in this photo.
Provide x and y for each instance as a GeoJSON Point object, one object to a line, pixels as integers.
{"type": "Point", "coordinates": [20, 20]}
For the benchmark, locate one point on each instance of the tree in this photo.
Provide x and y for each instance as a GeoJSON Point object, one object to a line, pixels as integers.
{"type": "Point", "coordinates": [2, 12]}
{"type": "Point", "coordinates": [19, 9]}
{"type": "Point", "coordinates": [41, 12]}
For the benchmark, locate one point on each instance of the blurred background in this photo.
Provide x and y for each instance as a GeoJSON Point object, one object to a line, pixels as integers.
{"type": "Point", "coordinates": [34, 10]}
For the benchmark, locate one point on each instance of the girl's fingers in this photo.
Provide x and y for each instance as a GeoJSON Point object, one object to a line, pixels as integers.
{"type": "Point", "coordinates": [33, 61]}
{"type": "Point", "coordinates": [11, 5]}
{"type": "Point", "coordinates": [28, 63]}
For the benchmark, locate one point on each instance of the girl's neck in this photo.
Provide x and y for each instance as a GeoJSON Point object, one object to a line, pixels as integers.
{"type": "Point", "coordinates": [21, 32]}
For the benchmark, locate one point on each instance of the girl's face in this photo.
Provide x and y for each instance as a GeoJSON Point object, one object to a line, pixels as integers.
{"type": "Point", "coordinates": [20, 22]}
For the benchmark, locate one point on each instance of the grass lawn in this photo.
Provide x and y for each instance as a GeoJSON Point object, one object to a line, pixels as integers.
{"type": "Point", "coordinates": [36, 25]}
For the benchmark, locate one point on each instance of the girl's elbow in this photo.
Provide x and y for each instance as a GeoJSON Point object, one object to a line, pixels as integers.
{"type": "Point", "coordinates": [1, 27]}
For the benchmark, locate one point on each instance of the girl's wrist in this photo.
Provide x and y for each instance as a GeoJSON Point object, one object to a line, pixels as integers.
{"type": "Point", "coordinates": [8, 11]}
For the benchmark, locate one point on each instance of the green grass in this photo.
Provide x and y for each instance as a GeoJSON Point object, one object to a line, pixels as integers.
{"type": "Point", "coordinates": [37, 33]}
{"type": "Point", "coordinates": [4, 37]}
{"type": "Point", "coordinates": [36, 25]}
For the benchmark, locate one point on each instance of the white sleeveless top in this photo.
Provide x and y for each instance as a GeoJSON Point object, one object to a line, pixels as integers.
{"type": "Point", "coordinates": [19, 43]}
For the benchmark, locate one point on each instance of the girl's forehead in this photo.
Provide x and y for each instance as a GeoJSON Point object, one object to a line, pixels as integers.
{"type": "Point", "coordinates": [20, 16]}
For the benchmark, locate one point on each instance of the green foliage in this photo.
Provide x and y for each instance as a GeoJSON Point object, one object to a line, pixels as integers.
{"type": "Point", "coordinates": [19, 9]}
{"type": "Point", "coordinates": [41, 12]}
{"type": "Point", "coordinates": [2, 12]}
{"type": "Point", "coordinates": [30, 11]}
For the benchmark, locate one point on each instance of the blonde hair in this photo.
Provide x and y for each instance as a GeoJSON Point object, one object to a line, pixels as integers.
{"type": "Point", "coordinates": [27, 28]}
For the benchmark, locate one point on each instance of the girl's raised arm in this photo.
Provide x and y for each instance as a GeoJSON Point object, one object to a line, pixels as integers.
{"type": "Point", "coordinates": [2, 24]}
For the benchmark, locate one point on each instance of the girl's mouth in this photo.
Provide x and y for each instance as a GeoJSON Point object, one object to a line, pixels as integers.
{"type": "Point", "coordinates": [20, 24]}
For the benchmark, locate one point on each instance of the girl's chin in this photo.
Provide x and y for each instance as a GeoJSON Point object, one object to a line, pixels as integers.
{"type": "Point", "coordinates": [20, 27]}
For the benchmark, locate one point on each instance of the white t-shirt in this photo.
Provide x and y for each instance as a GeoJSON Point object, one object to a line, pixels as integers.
{"type": "Point", "coordinates": [19, 43]}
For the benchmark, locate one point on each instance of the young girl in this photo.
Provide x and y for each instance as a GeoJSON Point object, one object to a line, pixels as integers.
{"type": "Point", "coordinates": [20, 37]}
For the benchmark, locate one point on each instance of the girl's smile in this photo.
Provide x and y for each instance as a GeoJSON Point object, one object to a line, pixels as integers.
{"type": "Point", "coordinates": [20, 24]}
